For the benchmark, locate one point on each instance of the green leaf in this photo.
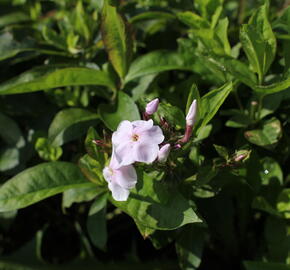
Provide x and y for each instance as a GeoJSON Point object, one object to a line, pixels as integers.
{"type": "Point", "coordinates": [13, 18]}
{"type": "Point", "coordinates": [259, 42]}
{"type": "Point", "coordinates": [211, 102]}
{"type": "Point", "coordinates": [11, 134]}
{"type": "Point", "coordinates": [9, 158]}
{"type": "Point", "coordinates": [77, 195]}
{"type": "Point", "coordinates": [155, 62]}
{"type": "Point", "coordinates": [46, 151]}
{"type": "Point", "coordinates": [70, 124]}
{"type": "Point", "coordinates": [239, 121]}
{"type": "Point", "coordinates": [117, 38]}
{"type": "Point", "coordinates": [97, 228]}
{"type": "Point", "coordinates": [262, 204]}
{"type": "Point", "coordinates": [272, 88]}
{"type": "Point", "coordinates": [92, 148]}
{"type": "Point", "coordinates": [208, 8]}
{"type": "Point", "coordinates": [189, 246]}
{"type": "Point", "coordinates": [10, 47]}
{"type": "Point", "coordinates": [92, 169]}
{"type": "Point", "coordinates": [123, 109]}
{"type": "Point", "coordinates": [156, 206]}
{"type": "Point", "coordinates": [152, 15]}
{"type": "Point", "coordinates": [283, 203]}
{"type": "Point", "coordinates": [222, 32]}
{"type": "Point", "coordinates": [193, 20]}
{"type": "Point", "coordinates": [250, 265]}
{"type": "Point", "coordinates": [99, 203]}
{"type": "Point", "coordinates": [277, 239]}
{"type": "Point", "coordinates": [172, 114]}
{"type": "Point", "coordinates": [222, 151]}
{"type": "Point", "coordinates": [270, 171]}
{"type": "Point", "coordinates": [51, 77]}
{"type": "Point", "coordinates": [267, 136]}
{"type": "Point", "coordinates": [238, 70]}
{"type": "Point", "coordinates": [39, 182]}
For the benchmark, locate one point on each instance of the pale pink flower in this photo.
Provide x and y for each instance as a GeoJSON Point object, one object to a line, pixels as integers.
{"type": "Point", "coordinates": [120, 179]}
{"type": "Point", "coordinates": [152, 106]}
{"type": "Point", "coordinates": [137, 141]}
{"type": "Point", "coordinates": [191, 115]}
{"type": "Point", "coordinates": [163, 153]}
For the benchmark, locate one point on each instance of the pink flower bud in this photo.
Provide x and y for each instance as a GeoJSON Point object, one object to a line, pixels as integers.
{"type": "Point", "coordinates": [163, 153]}
{"type": "Point", "coordinates": [152, 106]}
{"type": "Point", "coordinates": [191, 115]}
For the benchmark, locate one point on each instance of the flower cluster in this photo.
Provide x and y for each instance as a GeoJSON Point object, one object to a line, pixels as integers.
{"type": "Point", "coordinates": [136, 141]}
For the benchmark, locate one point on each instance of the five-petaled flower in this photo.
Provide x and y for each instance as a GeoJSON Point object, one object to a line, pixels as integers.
{"type": "Point", "coordinates": [136, 141]}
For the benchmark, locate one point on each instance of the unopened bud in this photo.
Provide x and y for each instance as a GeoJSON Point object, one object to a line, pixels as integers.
{"type": "Point", "coordinates": [152, 106]}
{"type": "Point", "coordinates": [191, 115]}
{"type": "Point", "coordinates": [163, 153]}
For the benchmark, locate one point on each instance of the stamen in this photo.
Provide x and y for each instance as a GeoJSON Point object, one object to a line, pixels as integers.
{"type": "Point", "coordinates": [135, 137]}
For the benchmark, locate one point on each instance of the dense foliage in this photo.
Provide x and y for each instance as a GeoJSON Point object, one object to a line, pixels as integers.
{"type": "Point", "coordinates": [72, 70]}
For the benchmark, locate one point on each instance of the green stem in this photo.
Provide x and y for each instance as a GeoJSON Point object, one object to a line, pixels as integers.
{"type": "Point", "coordinates": [260, 105]}
{"type": "Point", "coordinates": [241, 11]}
{"type": "Point", "coordinates": [240, 105]}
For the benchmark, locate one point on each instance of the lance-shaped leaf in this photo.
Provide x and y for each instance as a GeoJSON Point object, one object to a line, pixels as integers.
{"type": "Point", "coordinates": [40, 182]}
{"type": "Point", "coordinates": [211, 102]}
{"type": "Point", "coordinates": [117, 38]}
{"type": "Point", "coordinates": [155, 62]}
{"type": "Point", "coordinates": [259, 42]}
{"type": "Point", "coordinates": [51, 77]}
{"type": "Point", "coordinates": [69, 124]}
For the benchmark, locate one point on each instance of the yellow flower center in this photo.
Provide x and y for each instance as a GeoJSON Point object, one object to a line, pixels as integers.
{"type": "Point", "coordinates": [135, 137]}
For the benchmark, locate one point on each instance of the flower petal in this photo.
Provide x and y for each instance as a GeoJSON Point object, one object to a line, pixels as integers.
{"type": "Point", "coordinates": [107, 173]}
{"type": "Point", "coordinates": [145, 152]}
{"type": "Point", "coordinates": [152, 136]}
{"type": "Point", "coordinates": [126, 177]}
{"type": "Point", "coordinates": [123, 154]}
{"type": "Point", "coordinates": [123, 133]}
{"type": "Point", "coordinates": [119, 193]}
{"type": "Point", "coordinates": [141, 125]}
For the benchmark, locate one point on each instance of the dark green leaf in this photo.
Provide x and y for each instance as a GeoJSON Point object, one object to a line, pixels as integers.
{"type": "Point", "coordinates": [92, 148]}
{"type": "Point", "coordinates": [267, 136]}
{"type": "Point", "coordinates": [222, 151]}
{"type": "Point", "coordinates": [283, 203]}
{"type": "Point", "coordinates": [156, 206]}
{"type": "Point", "coordinates": [189, 246]}
{"type": "Point", "coordinates": [117, 38]}
{"type": "Point", "coordinates": [39, 182]}
{"type": "Point", "coordinates": [259, 42]}
{"type": "Point", "coordinates": [77, 195]}
{"type": "Point", "coordinates": [211, 102]}
{"type": "Point", "coordinates": [13, 18]}
{"type": "Point", "coordinates": [172, 114]}
{"type": "Point", "coordinates": [250, 265]}
{"type": "Point", "coordinates": [9, 158]}
{"type": "Point", "coordinates": [70, 124]}
{"type": "Point", "coordinates": [123, 109]}
{"type": "Point", "coordinates": [92, 169]}
{"type": "Point", "coordinates": [11, 134]}
{"type": "Point", "coordinates": [99, 203]}
{"type": "Point", "coordinates": [155, 62]}
{"type": "Point", "coordinates": [152, 15]}
{"type": "Point", "coordinates": [97, 228]}
{"type": "Point", "coordinates": [51, 77]}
